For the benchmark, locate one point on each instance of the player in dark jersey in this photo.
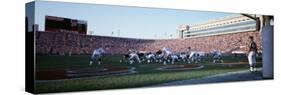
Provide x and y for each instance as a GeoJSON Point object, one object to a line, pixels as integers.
{"type": "Point", "coordinates": [252, 54]}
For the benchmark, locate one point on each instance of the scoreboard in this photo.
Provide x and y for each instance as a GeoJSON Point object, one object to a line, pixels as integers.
{"type": "Point", "coordinates": [58, 24]}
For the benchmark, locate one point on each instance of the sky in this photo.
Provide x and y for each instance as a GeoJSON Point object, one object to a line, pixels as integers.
{"type": "Point", "coordinates": [123, 21]}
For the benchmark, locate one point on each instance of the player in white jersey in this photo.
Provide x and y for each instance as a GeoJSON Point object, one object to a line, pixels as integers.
{"type": "Point", "coordinates": [133, 56]}
{"type": "Point", "coordinates": [217, 56]}
{"type": "Point", "coordinates": [167, 54]}
{"type": "Point", "coordinates": [96, 56]}
{"type": "Point", "coordinates": [192, 55]}
{"type": "Point", "coordinates": [150, 57]}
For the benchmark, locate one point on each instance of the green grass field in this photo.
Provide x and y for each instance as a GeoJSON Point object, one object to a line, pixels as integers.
{"type": "Point", "coordinates": [147, 74]}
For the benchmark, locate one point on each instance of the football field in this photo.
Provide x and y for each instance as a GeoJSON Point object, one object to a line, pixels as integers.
{"type": "Point", "coordinates": [114, 74]}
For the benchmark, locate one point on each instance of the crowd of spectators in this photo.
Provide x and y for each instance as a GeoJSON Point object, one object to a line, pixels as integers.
{"type": "Point", "coordinates": [68, 43]}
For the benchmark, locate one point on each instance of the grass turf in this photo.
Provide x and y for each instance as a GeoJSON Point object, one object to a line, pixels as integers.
{"type": "Point", "coordinates": [147, 74]}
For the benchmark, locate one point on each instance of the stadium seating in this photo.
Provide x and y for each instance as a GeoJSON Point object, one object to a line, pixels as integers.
{"type": "Point", "coordinates": [68, 43]}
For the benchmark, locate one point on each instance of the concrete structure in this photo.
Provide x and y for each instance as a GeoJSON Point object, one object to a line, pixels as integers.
{"type": "Point", "coordinates": [182, 29]}
{"type": "Point", "coordinates": [230, 24]}
{"type": "Point", "coordinates": [268, 50]}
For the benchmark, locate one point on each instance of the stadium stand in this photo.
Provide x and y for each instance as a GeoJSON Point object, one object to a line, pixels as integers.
{"type": "Point", "coordinates": [68, 43]}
